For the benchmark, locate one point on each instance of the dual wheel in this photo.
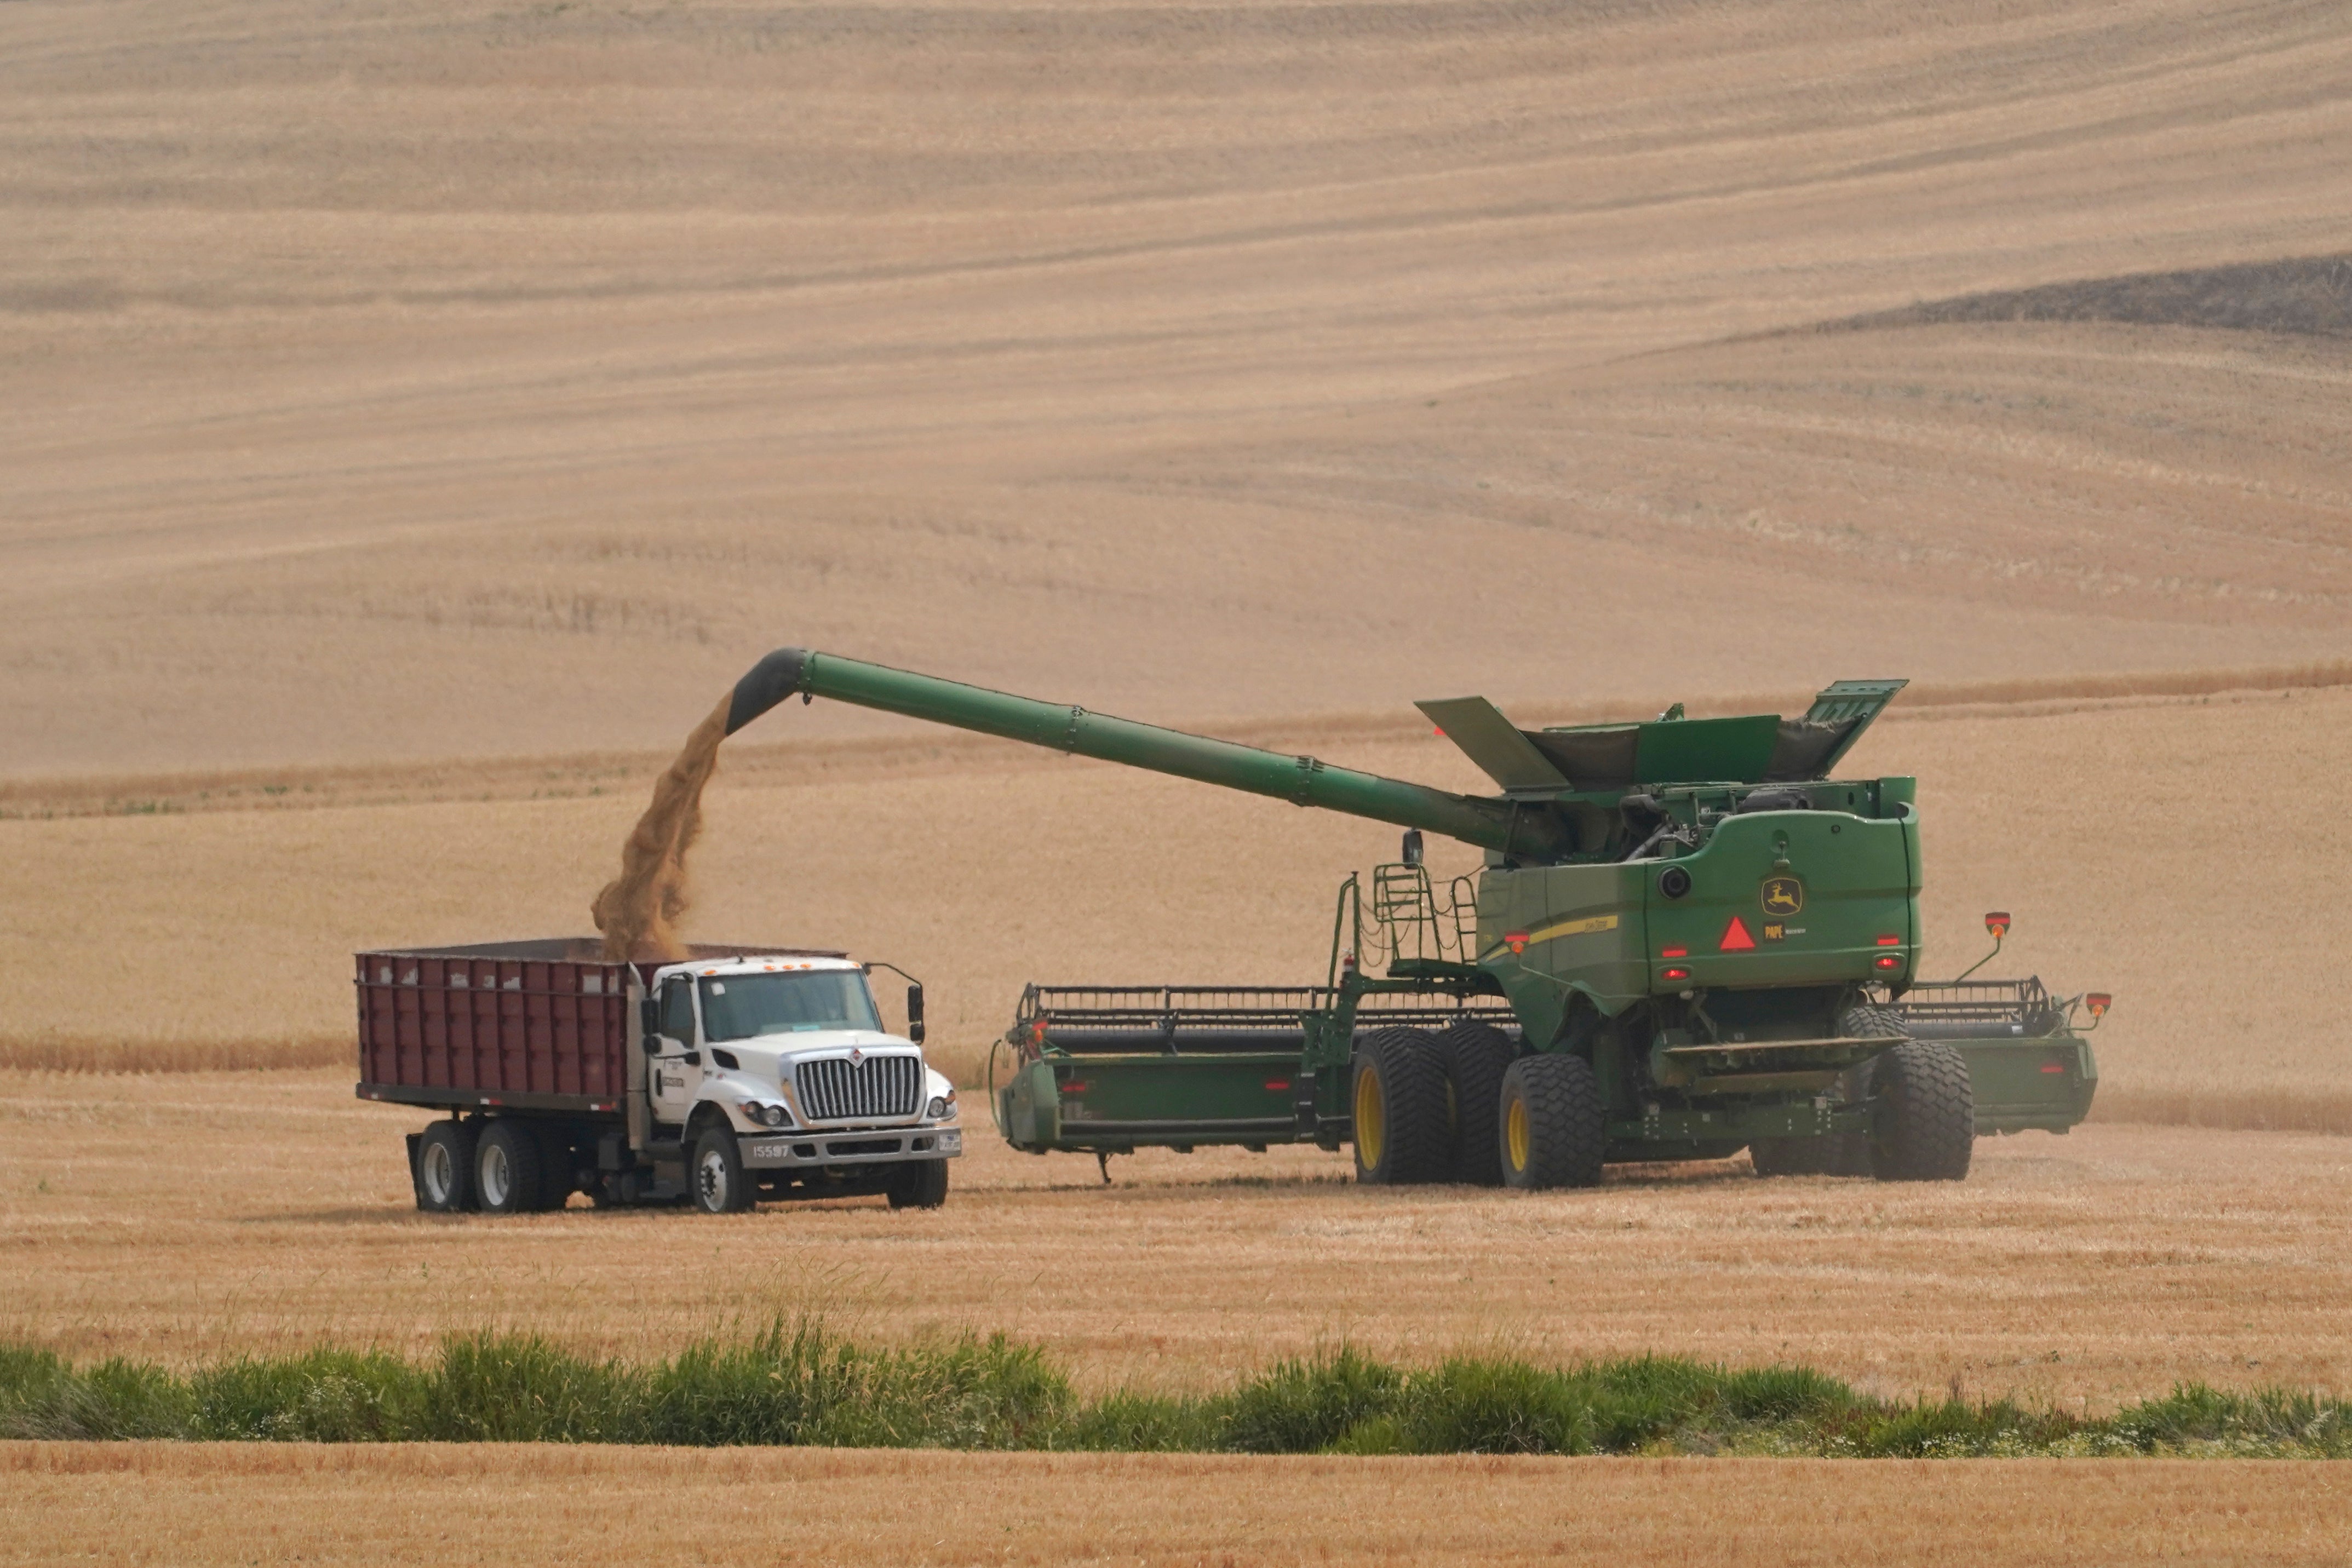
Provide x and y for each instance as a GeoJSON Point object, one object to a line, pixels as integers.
{"type": "Point", "coordinates": [500, 1167]}
{"type": "Point", "coordinates": [1464, 1106]}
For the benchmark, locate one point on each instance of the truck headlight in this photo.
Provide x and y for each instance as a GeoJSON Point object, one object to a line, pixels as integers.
{"type": "Point", "coordinates": [942, 1106]}
{"type": "Point", "coordinates": [765, 1115]}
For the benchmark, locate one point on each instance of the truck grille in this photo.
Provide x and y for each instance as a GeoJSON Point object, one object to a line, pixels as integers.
{"type": "Point", "coordinates": [838, 1090]}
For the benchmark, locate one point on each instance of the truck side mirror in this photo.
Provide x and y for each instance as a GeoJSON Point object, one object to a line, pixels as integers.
{"type": "Point", "coordinates": [1413, 846]}
{"type": "Point", "coordinates": [915, 1013]}
{"type": "Point", "coordinates": [648, 1023]}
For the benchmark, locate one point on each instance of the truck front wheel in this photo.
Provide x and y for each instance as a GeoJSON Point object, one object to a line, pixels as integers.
{"type": "Point", "coordinates": [444, 1168]}
{"type": "Point", "coordinates": [920, 1184]}
{"type": "Point", "coordinates": [720, 1184]}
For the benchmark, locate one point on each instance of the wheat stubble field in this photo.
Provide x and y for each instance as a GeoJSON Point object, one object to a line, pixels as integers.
{"type": "Point", "coordinates": [411, 417]}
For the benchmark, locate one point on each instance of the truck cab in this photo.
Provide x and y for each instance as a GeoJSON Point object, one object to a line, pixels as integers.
{"type": "Point", "coordinates": [773, 1075]}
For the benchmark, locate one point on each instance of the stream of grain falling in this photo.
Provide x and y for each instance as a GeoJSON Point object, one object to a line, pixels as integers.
{"type": "Point", "coordinates": [638, 910]}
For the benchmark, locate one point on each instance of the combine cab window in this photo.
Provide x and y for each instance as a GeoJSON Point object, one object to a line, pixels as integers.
{"type": "Point", "coordinates": [743, 1005]}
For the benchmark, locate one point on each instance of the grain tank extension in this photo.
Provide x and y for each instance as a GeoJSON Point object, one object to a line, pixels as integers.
{"type": "Point", "coordinates": [1687, 939]}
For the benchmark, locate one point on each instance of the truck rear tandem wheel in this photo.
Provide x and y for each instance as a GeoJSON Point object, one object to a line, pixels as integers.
{"type": "Point", "coordinates": [444, 1172]}
{"type": "Point", "coordinates": [507, 1168]}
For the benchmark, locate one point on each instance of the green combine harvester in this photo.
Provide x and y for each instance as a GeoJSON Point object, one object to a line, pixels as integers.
{"type": "Point", "coordinates": [1687, 940]}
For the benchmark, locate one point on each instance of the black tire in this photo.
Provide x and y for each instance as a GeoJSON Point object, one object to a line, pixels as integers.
{"type": "Point", "coordinates": [920, 1184]}
{"type": "Point", "coordinates": [507, 1167]}
{"type": "Point", "coordinates": [1924, 1127]}
{"type": "Point", "coordinates": [1865, 1021]}
{"type": "Point", "coordinates": [715, 1176]}
{"type": "Point", "coordinates": [1476, 1054]}
{"type": "Point", "coordinates": [1555, 1129]}
{"type": "Point", "coordinates": [444, 1168]}
{"type": "Point", "coordinates": [1401, 1128]}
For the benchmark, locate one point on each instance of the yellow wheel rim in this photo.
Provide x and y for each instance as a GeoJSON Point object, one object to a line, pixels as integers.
{"type": "Point", "coordinates": [1515, 1133]}
{"type": "Point", "coordinates": [1372, 1120]}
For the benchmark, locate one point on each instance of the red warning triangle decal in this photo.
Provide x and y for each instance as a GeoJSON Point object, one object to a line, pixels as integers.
{"type": "Point", "coordinates": [1735, 937]}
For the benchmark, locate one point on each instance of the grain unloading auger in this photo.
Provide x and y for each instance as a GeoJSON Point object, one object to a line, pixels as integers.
{"type": "Point", "coordinates": [1684, 942]}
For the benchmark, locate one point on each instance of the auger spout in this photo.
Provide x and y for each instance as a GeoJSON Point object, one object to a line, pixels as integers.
{"type": "Point", "coordinates": [1530, 830]}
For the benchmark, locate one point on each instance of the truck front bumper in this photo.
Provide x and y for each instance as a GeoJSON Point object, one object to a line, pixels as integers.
{"type": "Point", "coordinates": [777, 1151]}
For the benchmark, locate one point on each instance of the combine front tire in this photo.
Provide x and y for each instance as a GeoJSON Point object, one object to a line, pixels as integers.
{"type": "Point", "coordinates": [1402, 1131]}
{"type": "Point", "coordinates": [1554, 1129]}
{"type": "Point", "coordinates": [1476, 1055]}
{"type": "Point", "coordinates": [1925, 1126]}
{"type": "Point", "coordinates": [444, 1168]}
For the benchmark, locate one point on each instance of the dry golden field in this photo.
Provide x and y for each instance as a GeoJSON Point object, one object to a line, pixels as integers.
{"type": "Point", "coordinates": [252, 1503]}
{"type": "Point", "coordinates": [186, 1216]}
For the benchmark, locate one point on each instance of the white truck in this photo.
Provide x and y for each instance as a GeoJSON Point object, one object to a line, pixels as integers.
{"type": "Point", "coordinates": [737, 1073]}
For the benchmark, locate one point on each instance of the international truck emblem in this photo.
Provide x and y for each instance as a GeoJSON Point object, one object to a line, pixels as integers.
{"type": "Point", "coordinates": [1783, 895]}
{"type": "Point", "coordinates": [857, 1056]}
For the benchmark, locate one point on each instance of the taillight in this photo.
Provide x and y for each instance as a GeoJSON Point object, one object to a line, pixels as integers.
{"type": "Point", "coordinates": [1890, 941]}
{"type": "Point", "coordinates": [1888, 961]}
{"type": "Point", "coordinates": [1678, 973]}
{"type": "Point", "coordinates": [1674, 952]}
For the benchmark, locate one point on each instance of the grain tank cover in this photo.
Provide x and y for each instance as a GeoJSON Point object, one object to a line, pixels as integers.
{"type": "Point", "coordinates": [1754, 749]}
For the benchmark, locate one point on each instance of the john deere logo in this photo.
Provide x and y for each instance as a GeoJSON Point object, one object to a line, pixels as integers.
{"type": "Point", "coordinates": [1783, 895]}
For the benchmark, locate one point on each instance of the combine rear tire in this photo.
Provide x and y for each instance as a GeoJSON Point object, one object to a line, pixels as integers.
{"type": "Point", "coordinates": [1402, 1131]}
{"type": "Point", "coordinates": [1925, 1127]}
{"type": "Point", "coordinates": [715, 1177]}
{"type": "Point", "coordinates": [444, 1168]}
{"type": "Point", "coordinates": [1476, 1055]}
{"type": "Point", "coordinates": [1554, 1129]}
{"type": "Point", "coordinates": [505, 1169]}
{"type": "Point", "coordinates": [920, 1184]}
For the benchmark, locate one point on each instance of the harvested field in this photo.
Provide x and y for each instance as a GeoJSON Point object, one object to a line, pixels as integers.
{"type": "Point", "coordinates": [181, 1217]}
{"type": "Point", "coordinates": [242, 1504]}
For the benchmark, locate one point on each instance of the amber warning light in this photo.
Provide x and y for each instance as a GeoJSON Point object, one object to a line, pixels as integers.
{"type": "Point", "coordinates": [1997, 924]}
{"type": "Point", "coordinates": [2098, 1002]}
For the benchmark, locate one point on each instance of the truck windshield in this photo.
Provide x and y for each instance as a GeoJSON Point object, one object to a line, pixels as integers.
{"type": "Point", "coordinates": [742, 1006]}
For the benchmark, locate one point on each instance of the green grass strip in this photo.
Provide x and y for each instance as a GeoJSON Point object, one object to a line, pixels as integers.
{"type": "Point", "coordinates": [799, 1383]}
